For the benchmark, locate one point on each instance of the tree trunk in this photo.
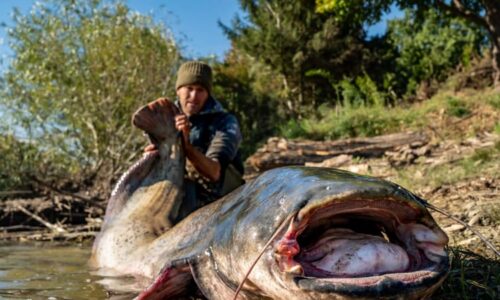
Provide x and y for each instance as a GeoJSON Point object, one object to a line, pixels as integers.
{"type": "Point", "coordinates": [492, 18]}
{"type": "Point", "coordinates": [280, 152]}
{"type": "Point", "coordinates": [496, 63]}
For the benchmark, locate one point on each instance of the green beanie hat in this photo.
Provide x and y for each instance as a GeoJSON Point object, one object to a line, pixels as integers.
{"type": "Point", "coordinates": [194, 72]}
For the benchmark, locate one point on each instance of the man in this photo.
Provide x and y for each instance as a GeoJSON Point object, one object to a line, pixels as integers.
{"type": "Point", "coordinates": [211, 139]}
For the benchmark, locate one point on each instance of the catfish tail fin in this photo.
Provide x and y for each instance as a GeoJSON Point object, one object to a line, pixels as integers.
{"type": "Point", "coordinates": [156, 119]}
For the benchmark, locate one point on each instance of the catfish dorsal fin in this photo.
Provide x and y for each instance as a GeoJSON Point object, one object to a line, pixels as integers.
{"type": "Point", "coordinates": [156, 119]}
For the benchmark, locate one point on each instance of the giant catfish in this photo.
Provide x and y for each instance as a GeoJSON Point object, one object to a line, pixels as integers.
{"type": "Point", "coordinates": [322, 233]}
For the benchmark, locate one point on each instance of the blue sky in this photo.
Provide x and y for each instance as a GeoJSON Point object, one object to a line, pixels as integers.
{"type": "Point", "coordinates": [193, 22]}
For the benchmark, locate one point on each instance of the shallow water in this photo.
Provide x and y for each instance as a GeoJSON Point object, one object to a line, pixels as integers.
{"type": "Point", "coordinates": [48, 271]}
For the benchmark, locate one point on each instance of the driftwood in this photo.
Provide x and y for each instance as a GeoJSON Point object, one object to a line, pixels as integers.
{"type": "Point", "coordinates": [54, 227]}
{"type": "Point", "coordinates": [17, 193]}
{"type": "Point", "coordinates": [72, 233]}
{"type": "Point", "coordinates": [53, 189]}
{"type": "Point", "coordinates": [57, 217]}
{"type": "Point", "coordinates": [281, 152]}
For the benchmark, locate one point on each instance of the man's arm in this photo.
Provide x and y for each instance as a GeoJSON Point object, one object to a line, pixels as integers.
{"type": "Point", "coordinates": [226, 142]}
{"type": "Point", "coordinates": [208, 167]}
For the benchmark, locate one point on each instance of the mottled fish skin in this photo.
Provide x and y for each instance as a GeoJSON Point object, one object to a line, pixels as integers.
{"type": "Point", "coordinates": [236, 228]}
{"type": "Point", "coordinates": [144, 197]}
{"type": "Point", "coordinates": [214, 247]}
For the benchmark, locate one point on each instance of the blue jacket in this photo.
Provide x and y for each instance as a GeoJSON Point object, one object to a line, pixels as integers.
{"type": "Point", "coordinates": [217, 134]}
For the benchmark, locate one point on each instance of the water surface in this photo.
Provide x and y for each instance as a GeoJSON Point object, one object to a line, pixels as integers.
{"type": "Point", "coordinates": [48, 271]}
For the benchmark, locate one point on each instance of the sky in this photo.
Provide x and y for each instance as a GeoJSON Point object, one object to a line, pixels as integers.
{"type": "Point", "coordinates": [194, 23]}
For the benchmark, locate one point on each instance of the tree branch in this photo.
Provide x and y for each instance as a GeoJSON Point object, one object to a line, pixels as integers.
{"type": "Point", "coordinates": [94, 136]}
{"type": "Point", "coordinates": [17, 193]}
{"type": "Point", "coordinates": [457, 8]}
{"type": "Point", "coordinates": [47, 224]}
{"type": "Point", "coordinates": [58, 191]}
{"type": "Point", "coordinates": [275, 15]}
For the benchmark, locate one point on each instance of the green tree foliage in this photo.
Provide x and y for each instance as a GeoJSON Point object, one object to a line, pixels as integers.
{"type": "Point", "coordinates": [293, 39]}
{"type": "Point", "coordinates": [362, 92]}
{"type": "Point", "coordinates": [80, 69]}
{"type": "Point", "coordinates": [420, 49]}
{"type": "Point", "coordinates": [251, 91]}
{"type": "Point", "coordinates": [482, 13]}
{"type": "Point", "coordinates": [430, 46]}
{"type": "Point", "coordinates": [356, 11]}
{"type": "Point", "coordinates": [15, 156]}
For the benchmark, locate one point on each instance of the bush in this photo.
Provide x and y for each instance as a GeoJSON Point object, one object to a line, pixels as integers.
{"type": "Point", "coordinates": [80, 69]}
{"type": "Point", "coordinates": [457, 108]}
{"type": "Point", "coordinates": [431, 46]}
{"type": "Point", "coordinates": [346, 122]}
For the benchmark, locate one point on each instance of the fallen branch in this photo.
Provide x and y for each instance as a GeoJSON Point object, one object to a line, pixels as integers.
{"type": "Point", "coordinates": [281, 152]}
{"type": "Point", "coordinates": [47, 224]}
{"type": "Point", "coordinates": [37, 234]}
{"type": "Point", "coordinates": [64, 193]}
{"type": "Point", "coordinates": [8, 194]}
{"type": "Point", "coordinates": [18, 227]}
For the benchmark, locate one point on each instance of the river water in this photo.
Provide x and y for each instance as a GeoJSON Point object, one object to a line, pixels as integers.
{"type": "Point", "coordinates": [49, 271]}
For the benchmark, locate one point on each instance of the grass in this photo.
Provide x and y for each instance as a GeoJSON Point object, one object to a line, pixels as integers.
{"type": "Point", "coordinates": [471, 277]}
{"type": "Point", "coordinates": [348, 121]}
{"type": "Point", "coordinates": [483, 162]}
{"type": "Point", "coordinates": [457, 107]}
{"type": "Point", "coordinates": [494, 100]}
{"type": "Point", "coordinates": [447, 113]}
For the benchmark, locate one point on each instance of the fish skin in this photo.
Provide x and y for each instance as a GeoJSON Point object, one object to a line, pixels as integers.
{"type": "Point", "coordinates": [215, 246]}
{"type": "Point", "coordinates": [145, 196]}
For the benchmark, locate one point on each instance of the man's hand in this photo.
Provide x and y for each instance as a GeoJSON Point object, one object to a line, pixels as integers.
{"type": "Point", "coordinates": [150, 148]}
{"type": "Point", "coordinates": [183, 125]}
{"type": "Point", "coordinates": [210, 168]}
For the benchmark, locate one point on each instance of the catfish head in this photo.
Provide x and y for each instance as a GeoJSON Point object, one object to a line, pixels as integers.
{"type": "Point", "coordinates": [333, 235]}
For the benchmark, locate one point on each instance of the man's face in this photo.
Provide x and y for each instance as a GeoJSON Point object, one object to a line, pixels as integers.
{"type": "Point", "coordinates": [192, 98]}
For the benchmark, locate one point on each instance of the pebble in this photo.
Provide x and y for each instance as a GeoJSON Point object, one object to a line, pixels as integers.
{"type": "Point", "coordinates": [469, 205]}
{"type": "Point", "coordinates": [473, 213]}
{"type": "Point", "coordinates": [454, 227]}
{"type": "Point", "coordinates": [467, 241]}
{"type": "Point", "coordinates": [474, 220]}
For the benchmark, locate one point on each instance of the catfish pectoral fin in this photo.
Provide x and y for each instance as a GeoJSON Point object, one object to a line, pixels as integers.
{"type": "Point", "coordinates": [215, 285]}
{"type": "Point", "coordinates": [209, 281]}
{"type": "Point", "coordinates": [172, 282]}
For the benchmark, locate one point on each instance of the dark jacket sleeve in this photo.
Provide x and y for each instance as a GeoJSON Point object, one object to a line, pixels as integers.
{"type": "Point", "coordinates": [226, 141]}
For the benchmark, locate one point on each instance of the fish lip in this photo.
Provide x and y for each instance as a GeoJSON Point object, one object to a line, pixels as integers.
{"type": "Point", "coordinates": [365, 285]}
{"type": "Point", "coordinates": [378, 286]}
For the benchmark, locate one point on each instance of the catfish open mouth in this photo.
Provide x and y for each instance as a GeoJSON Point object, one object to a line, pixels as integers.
{"type": "Point", "coordinates": [363, 242]}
